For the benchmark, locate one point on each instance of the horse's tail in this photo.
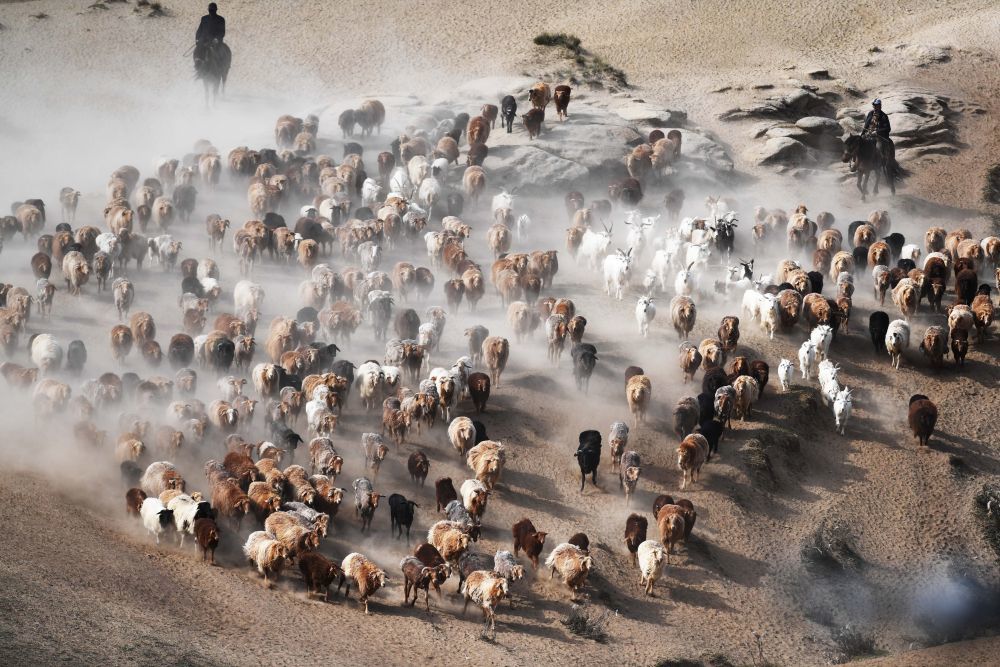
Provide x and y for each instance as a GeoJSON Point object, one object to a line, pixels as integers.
{"type": "Point", "coordinates": [895, 171]}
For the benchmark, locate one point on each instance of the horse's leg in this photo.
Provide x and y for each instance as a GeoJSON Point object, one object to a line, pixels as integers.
{"type": "Point", "coordinates": [862, 177]}
{"type": "Point", "coordinates": [878, 175]}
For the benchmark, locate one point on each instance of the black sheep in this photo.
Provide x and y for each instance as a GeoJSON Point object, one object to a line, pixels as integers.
{"type": "Point", "coordinates": [860, 256]}
{"type": "Point", "coordinates": [584, 359]}
{"type": "Point", "coordinates": [480, 431]}
{"type": "Point", "coordinates": [307, 314]}
{"type": "Point", "coordinates": [966, 284]}
{"type": "Point", "coordinates": [76, 357]}
{"type": "Point", "coordinates": [878, 325]}
{"type": "Point", "coordinates": [508, 112]}
{"type": "Point", "coordinates": [285, 437]}
{"type": "Point", "coordinates": [714, 378]}
{"type": "Point", "coordinates": [850, 233]}
{"type": "Point", "coordinates": [272, 221]}
{"type": "Point", "coordinates": [353, 147]}
{"type": "Point", "coordinates": [191, 285]}
{"type": "Point", "coordinates": [712, 430]}
{"type": "Point", "coordinates": [816, 281]}
{"type": "Point", "coordinates": [895, 241]}
{"type": "Point", "coordinates": [327, 354]}
{"type": "Point", "coordinates": [131, 474]}
{"type": "Point", "coordinates": [906, 264]}
{"type": "Point", "coordinates": [461, 123]}
{"type": "Point", "coordinates": [588, 456]}
{"type": "Point", "coordinates": [223, 353]}
{"type": "Point", "coordinates": [706, 407]}
{"type": "Point", "coordinates": [401, 514]}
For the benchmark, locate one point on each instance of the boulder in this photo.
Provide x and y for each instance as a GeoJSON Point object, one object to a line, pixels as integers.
{"type": "Point", "coordinates": [921, 55]}
{"type": "Point", "coordinates": [651, 115]}
{"type": "Point", "coordinates": [526, 166]}
{"type": "Point", "coordinates": [783, 152]}
{"type": "Point", "coordinates": [789, 131]}
{"type": "Point", "coordinates": [819, 125]}
{"type": "Point", "coordinates": [792, 106]}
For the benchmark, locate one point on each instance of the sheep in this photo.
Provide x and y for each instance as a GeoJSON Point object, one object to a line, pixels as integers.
{"type": "Point", "coordinates": [652, 559]}
{"type": "Point", "coordinates": [683, 315]}
{"type": "Point", "coordinates": [450, 540]}
{"type": "Point", "coordinates": [319, 572]}
{"type": "Point", "coordinates": [133, 501]}
{"type": "Point", "coordinates": [264, 500]}
{"type": "Point", "coordinates": [691, 456]}
{"type": "Point", "coordinates": [487, 460]}
{"type": "Point", "coordinates": [922, 417]}
{"type": "Point", "coordinates": [529, 540]}
{"type": "Point", "coordinates": [267, 553]}
{"type": "Point", "coordinates": [159, 477]}
{"type": "Point", "coordinates": [906, 298]}
{"type": "Point", "coordinates": [474, 497]}
{"type": "Point", "coordinates": [573, 565]}
{"type": "Point", "coordinates": [747, 392]}
{"type": "Point", "coordinates": [487, 590]}
{"type": "Point", "coordinates": [417, 576]}
{"type": "Point", "coordinates": [230, 501]}
{"type": "Point", "coordinates": [156, 518]}
{"type": "Point", "coordinates": [959, 345]}
{"type": "Point", "coordinates": [935, 345]}
{"type": "Point", "coordinates": [690, 360]}
{"type": "Point", "coordinates": [712, 353]}
{"type": "Point", "coordinates": [635, 534]}
{"type": "Point", "coordinates": [186, 511]}
{"type": "Point", "coordinates": [206, 536]}
{"type": "Point", "coordinates": [638, 392]}
{"type": "Point", "coordinates": [46, 353]}
{"type": "Point", "coordinates": [374, 450]}
{"type": "Point", "coordinates": [672, 525]}
{"type": "Point", "coordinates": [645, 311]}
{"type": "Point", "coordinates": [401, 514]}
{"type": "Point", "coordinates": [983, 314]}
{"type": "Point", "coordinates": [897, 339]}
{"type": "Point", "coordinates": [297, 534]}
{"type": "Point", "coordinates": [496, 351]}
{"type": "Point", "coordinates": [630, 467]}
{"type": "Point", "coordinates": [365, 501]}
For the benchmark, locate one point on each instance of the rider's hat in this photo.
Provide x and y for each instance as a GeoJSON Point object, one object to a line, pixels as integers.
{"type": "Point", "coordinates": [877, 102]}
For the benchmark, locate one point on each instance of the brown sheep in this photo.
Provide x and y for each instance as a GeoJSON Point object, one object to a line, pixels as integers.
{"type": "Point", "coordinates": [496, 351]}
{"type": "Point", "coordinates": [229, 501]}
{"type": "Point", "coordinates": [683, 315]}
{"type": "Point", "coordinates": [444, 491]}
{"type": "Point", "coordinates": [729, 333]}
{"type": "Point", "coordinates": [121, 342]}
{"type": "Point", "coordinates": [143, 327]}
{"type": "Point", "coordinates": [133, 501]}
{"type": "Point", "coordinates": [983, 314]}
{"type": "Point", "coordinates": [478, 130]}
{"type": "Point", "coordinates": [691, 456]}
{"type": "Point", "coordinates": [690, 359]}
{"type": "Point", "coordinates": [533, 122]}
{"type": "Point", "coordinates": [635, 534]}
{"type": "Point", "coordinates": [638, 392]}
{"type": "Point", "coordinates": [935, 345]}
{"type": "Point", "coordinates": [670, 521]}
{"type": "Point", "coordinates": [206, 536]}
{"type": "Point", "coordinates": [540, 95]}
{"type": "Point", "coordinates": [527, 539]}
{"type": "Point", "coordinates": [561, 97]}
{"type": "Point", "coordinates": [922, 417]}
{"type": "Point", "coordinates": [449, 539]}
{"type": "Point", "coordinates": [573, 566]}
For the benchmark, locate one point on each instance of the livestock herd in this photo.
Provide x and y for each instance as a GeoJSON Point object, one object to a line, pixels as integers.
{"type": "Point", "coordinates": [247, 443]}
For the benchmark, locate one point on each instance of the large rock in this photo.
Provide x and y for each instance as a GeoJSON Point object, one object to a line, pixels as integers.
{"type": "Point", "coordinates": [819, 125]}
{"type": "Point", "coordinates": [529, 166]}
{"type": "Point", "coordinates": [791, 106]}
{"type": "Point", "coordinates": [645, 113]}
{"type": "Point", "coordinates": [782, 152]}
{"type": "Point", "coordinates": [918, 119]}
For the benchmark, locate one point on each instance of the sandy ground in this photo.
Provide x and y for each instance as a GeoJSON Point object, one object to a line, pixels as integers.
{"type": "Point", "coordinates": [89, 89]}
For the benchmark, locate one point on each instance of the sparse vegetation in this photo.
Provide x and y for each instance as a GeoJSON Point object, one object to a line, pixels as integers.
{"type": "Point", "coordinates": [155, 9]}
{"type": "Point", "coordinates": [40, 16]}
{"type": "Point", "coordinates": [582, 623]}
{"type": "Point", "coordinates": [991, 191]}
{"type": "Point", "coordinates": [586, 67]}
{"type": "Point", "coordinates": [988, 513]}
{"type": "Point", "coordinates": [571, 42]}
{"type": "Point", "coordinates": [755, 458]}
{"type": "Point", "coordinates": [852, 644]}
{"type": "Point", "coordinates": [829, 548]}
{"type": "Point", "coordinates": [755, 647]}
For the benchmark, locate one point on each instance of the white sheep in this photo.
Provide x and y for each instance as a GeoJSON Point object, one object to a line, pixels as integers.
{"type": "Point", "coordinates": [371, 192]}
{"type": "Point", "coordinates": [645, 311]}
{"type": "Point", "coordinates": [897, 339]}
{"type": "Point", "coordinates": [785, 370]}
{"type": "Point", "coordinates": [652, 559]}
{"type": "Point", "coordinates": [807, 359]}
{"type": "Point", "coordinates": [247, 295]}
{"type": "Point", "coordinates": [46, 353]}
{"type": "Point", "coordinates": [185, 510]}
{"type": "Point", "coordinates": [155, 517]}
{"type": "Point", "coordinates": [592, 246]}
{"type": "Point", "coordinates": [769, 314]}
{"type": "Point", "coordinates": [910, 251]}
{"type": "Point", "coordinates": [522, 226]}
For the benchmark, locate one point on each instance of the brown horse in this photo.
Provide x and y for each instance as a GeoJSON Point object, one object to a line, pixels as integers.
{"type": "Point", "coordinates": [870, 159]}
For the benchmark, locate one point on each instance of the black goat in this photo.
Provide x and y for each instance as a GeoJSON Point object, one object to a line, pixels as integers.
{"type": "Point", "coordinates": [508, 112]}
{"type": "Point", "coordinates": [401, 514]}
{"type": "Point", "coordinates": [584, 359]}
{"type": "Point", "coordinates": [878, 325]}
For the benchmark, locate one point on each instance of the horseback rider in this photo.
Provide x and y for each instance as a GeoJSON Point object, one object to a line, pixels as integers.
{"type": "Point", "coordinates": [211, 29]}
{"type": "Point", "coordinates": [877, 123]}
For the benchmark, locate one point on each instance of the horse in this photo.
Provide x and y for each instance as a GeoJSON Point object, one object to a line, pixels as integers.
{"type": "Point", "coordinates": [213, 68]}
{"type": "Point", "coordinates": [870, 159]}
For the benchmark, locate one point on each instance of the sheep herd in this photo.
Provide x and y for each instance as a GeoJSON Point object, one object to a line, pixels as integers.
{"type": "Point", "coordinates": [334, 225]}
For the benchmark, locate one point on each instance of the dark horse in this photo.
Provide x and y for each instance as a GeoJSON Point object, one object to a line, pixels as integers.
{"type": "Point", "coordinates": [213, 68]}
{"type": "Point", "coordinates": [865, 150]}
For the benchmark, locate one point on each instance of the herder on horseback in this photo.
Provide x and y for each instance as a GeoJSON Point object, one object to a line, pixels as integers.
{"type": "Point", "coordinates": [872, 152]}
{"type": "Point", "coordinates": [212, 56]}
{"type": "Point", "coordinates": [877, 124]}
{"type": "Point", "coordinates": [211, 28]}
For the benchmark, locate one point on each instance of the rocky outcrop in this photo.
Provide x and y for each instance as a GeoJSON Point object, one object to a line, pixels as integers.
{"type": "Point", "coordinates": [922, 122]}
{"type": "Point", "coordinates": [790, 106]}
{"type": "Point", "coordinates": [592, 144]}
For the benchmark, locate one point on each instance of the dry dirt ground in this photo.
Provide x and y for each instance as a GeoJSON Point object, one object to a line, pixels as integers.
{"type": "Point", "coordinates": [83, 584]}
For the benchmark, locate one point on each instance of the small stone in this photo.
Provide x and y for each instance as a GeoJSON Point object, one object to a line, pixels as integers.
{"type": "Point", "coordinates": [819, 74]}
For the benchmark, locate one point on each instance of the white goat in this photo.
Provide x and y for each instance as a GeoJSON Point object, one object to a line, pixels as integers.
{"type": "Point", "coordinates": [822, 336]}
{"type": "Point", "coordinates": [842, 409]}
{"type": "Point", "coordinates": [807, 359]}
{"type": "Point", "coordinates": [645, 311]}
{"type": "Point", "coordinates": [617, 272]}
{"type": "Point", "coordinates": [785, 370]}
